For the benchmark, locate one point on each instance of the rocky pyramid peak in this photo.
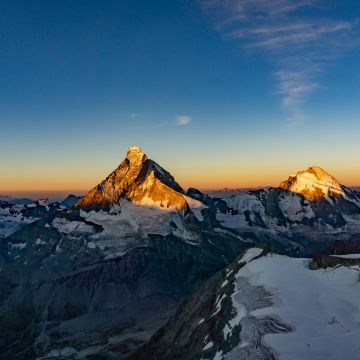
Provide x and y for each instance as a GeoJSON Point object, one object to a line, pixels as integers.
{"type": "Point", "coordinates": [138, 179]}
{"type": "Point", "coordinates": [313, 183]}
{"type": "Point", "coordinates": [135, 155]}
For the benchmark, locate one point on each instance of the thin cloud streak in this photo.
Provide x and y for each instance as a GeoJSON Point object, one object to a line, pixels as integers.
{"type": "Point", "coordinates": [297, 41]}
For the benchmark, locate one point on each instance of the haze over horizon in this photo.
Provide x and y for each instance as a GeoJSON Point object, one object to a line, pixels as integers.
{"type": "Point", "coordinates": [211, 90]}
{"type": "Point", "coordinates": [59, 193]}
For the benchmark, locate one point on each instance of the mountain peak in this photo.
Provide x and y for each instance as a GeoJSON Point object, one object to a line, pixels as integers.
{"type": "Point", "coordinates": [313, 183]}
{"type": "Point", "coordinates": [135, 155]}
{"type": "Point", "coordinates": [137, 179]}
{"type": "Point", "coordinates": [318, 172]}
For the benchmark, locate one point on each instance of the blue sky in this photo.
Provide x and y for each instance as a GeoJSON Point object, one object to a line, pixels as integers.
{"type": "Point", "coordinates": [221, 93]}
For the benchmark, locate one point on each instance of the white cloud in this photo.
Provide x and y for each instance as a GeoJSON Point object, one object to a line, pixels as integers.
{"type": "Point", "coordinates": [182, 120]}
{"type": "Point", "coordinates": [299, 43]}
{"type": "Point", "coordinates": [294, 87]}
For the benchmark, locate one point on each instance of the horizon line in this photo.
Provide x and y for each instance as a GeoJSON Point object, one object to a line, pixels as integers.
{"type": "Point", "coordinates": [81, 192]}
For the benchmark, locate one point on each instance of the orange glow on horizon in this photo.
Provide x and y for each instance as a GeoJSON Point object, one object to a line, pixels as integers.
{"type": "Point", "coordinates": [204, 179]}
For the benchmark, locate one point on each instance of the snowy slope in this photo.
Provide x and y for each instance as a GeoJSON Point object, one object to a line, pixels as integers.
{"type": "Point", "coordinates": [322, 307]}
{"type": "Point", "coordinates": [266, 307]}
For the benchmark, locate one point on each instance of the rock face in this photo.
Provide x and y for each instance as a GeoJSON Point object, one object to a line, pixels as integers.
{"type": "Point", "coordinates": [313, 183]}
{"type": "Point", "coordinates": [137, 179]}
{"type": "Point", "coordinates": [70, 200]}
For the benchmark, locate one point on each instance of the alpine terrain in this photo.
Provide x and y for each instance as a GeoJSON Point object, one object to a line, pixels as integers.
{"type": "Point", "coordinates": [266, 306]}
{"type": "Point", "coordinates": [139, 268]}
{"type": "Point", "coordinates": [99, 278]}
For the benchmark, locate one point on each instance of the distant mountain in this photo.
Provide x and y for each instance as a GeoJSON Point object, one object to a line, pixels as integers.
{"type": "Point", "coordinates": [16, 201]}
{"type": "Point", "coordinates": [312, 201]}
{"type": "Point", "coordinates": [313, 183]}
{"type": "Point", "coordinates": [70, 201]}
{"type": "Point", "coordinates": [139, 180]}
{"type": "Point", "coordinates": [14, 216]}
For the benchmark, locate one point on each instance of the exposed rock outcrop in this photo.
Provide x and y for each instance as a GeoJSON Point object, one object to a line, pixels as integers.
{"type": "Point", "coordinates": [137, 179]}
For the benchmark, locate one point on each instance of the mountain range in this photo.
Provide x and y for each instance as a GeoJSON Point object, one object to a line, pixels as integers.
{"type": "Point", "coordinates": [111, 275]}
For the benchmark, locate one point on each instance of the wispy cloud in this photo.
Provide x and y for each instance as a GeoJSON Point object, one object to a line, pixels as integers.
{"type": "Point", "coordinates": [183, 120]}
{"type": "Point", "coordinates": [297, 36]}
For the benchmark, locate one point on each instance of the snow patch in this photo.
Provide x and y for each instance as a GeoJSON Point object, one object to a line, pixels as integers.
{"type": "Point", "coordinates": [251, 254]}
{"type": "Point", "coordinates": [348, 256]}
{"type": "Point", "coordinates": [218, 304]}
{"type": "Point", "coordinates": [65, 226]}
{"type": "Point", "coordinates": [40, 242]}
{"type": "Point", "coordinates": [129, 225]}
{"type": "Point", "coordinates": [293, 209]}
{"type": "Point", "coordinates": [209, 345]}
{"type": "Point", "coordinates": [19, 246]}
{"type": "Point", "coordinates": [196, 207]}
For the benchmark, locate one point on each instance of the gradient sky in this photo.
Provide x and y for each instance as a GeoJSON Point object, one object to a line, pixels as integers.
{"type": "Point", "coordinates": [234, 93]}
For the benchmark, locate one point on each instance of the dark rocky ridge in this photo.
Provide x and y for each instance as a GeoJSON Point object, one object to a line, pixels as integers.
{"type": "Point", "coordinates": [70, 200]}
{"type": "Point", "coordinates": [326, 261]}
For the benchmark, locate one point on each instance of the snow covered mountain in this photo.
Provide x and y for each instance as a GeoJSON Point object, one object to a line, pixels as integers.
{"type": "Point", "coordinates": [266, 307]}
{"type": "Point", "coordinates": [310, 202]}
{"type": "Point", "coordinates": [313, 183]}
